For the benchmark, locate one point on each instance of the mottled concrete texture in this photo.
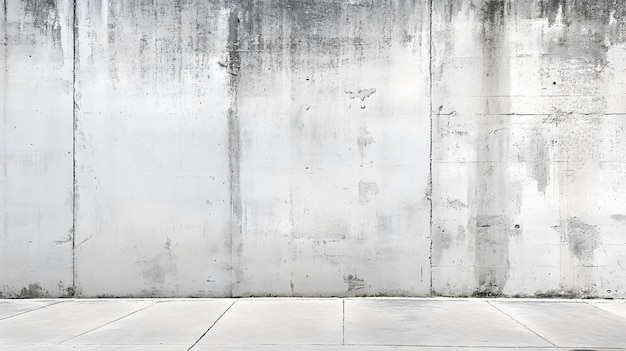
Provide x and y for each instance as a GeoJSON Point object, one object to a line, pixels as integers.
{"type": "Point", "coordinates": [528, 150]}
{"type": "Point", "coordinates": [312, 148]}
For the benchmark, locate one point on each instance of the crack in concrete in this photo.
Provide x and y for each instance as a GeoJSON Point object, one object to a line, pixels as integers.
{"type": "Point", "coordinates": [107, 323]}
{"type": "Point", "coordinates": [35, 309]}
{"type": "Point", "coordinates": [212, 325]}
{"type": "Point", "coordinates": [522, 324]}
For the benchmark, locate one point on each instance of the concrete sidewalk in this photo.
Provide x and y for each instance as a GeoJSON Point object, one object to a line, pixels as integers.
{"type": "Point", "coordinates": [312, 324]}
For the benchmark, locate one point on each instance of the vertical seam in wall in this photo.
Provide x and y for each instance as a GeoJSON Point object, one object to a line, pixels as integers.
{"type": "Point", "coordinates": [74, 56]}
{"type": "Point", "coordinates": [5, 186]}
{"type": "Point", "coordinates": [430, 106]}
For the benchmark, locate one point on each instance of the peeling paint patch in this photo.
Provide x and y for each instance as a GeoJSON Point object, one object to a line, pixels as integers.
{"type": "Point", "coordinates": [367, 190]}
{"type": "Point", "coordinates": [361, 94]}
{"type": "Point", "coordinates": [354, 282]}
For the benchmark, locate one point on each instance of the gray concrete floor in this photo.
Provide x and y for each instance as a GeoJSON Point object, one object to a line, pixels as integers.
{"type": "Point", "coordinates": [312, 324]}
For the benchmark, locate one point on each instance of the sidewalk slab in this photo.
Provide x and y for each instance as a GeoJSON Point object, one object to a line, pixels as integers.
{"type": "Point", "coordinates": [51, 347]}
{"type": "Point", "coordinates": [279, 321]}
{"type": "Point", "coordinates": [10, 308]}
{"type": "Point", "coordinates": [375, 348]}
{"type": "Point", "coordinates": [59, 322]}
{"type": "Point", "coordinates": [172, 322]}
{"type": "Point", "coordinates": [569, 324]}
{"type": "Point", "coordinates": [618, 308]}
{"type": "Point", "coordinates": [433, 323]}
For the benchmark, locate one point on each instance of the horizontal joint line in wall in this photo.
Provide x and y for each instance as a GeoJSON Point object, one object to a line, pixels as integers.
{"type": "Point", "coordinates": [535, 96]}
{"type": "Point", "coordinates": [509, 160]}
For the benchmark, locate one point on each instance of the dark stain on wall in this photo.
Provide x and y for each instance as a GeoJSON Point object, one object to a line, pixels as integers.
{"type": "Point", "coordinates": [599, 11]}
{"type": "Point", "coordinates": [618, 217]}
{"type": "Point", "coordinates": [354, 283]}
{"type": "Point", "coordinates": [492, 224]}
{"type": "Point", "coordinates": [583, 239]}
{"type": "Point", "coordinates": [492, 254]}
{"type": "Point", "coordinates": [241, 27]}
{"type": "Point", "coordinates": [32, 291]}
{"type": "Point", "coordinates": [45, 17]}
{"type": "Point", "coordinates": [586, 28]}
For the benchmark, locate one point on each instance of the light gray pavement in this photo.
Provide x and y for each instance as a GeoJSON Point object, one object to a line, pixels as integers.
{"type": "Point", "coordinates": [306, 324]}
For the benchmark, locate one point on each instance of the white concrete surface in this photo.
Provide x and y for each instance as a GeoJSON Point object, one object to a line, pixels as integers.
{"type": "Point", "coordinates": [427, 322]}
{"type": "Point", "coordinates": [279, 321]}
{"type": "Point", "coordinates": [313, 324]}
{"type": "Point", "coordinates": [167, 322]}
{"type": "Point", "coordinates": [568, 324]}
{"type": "Point", "coordinates": [36, 137]}
{"type": "Point", "coordinates": [228, 148]}
{"type": "Point", "coordinates": [617, 307]}
{"type": "Point", "coordinates": [57, 323]}
{"type": "Point", "coordinates": [11, 308]}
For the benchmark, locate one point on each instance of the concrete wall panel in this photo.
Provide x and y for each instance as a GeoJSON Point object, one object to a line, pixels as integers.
{"type": "Point", "coordinates": [528, 110]}
{"type": "Point", "coordinates": [332, 148]}
{"type": "Point", "coordinates": [153, 208]}
{"type": "Point", "coordinates": [36, 58]}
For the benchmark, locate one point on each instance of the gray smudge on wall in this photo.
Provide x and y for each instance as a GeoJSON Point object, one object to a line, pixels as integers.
{"type": "Point", "coordinates": [367, 190]}
{"type": "Point", "coordinates": [33, 291]}
{"type": "Point", "coordinates": [538, 161]}
{"type": "Point", "coordinates": [581, 34]}
{"type": "Point", "coordinates": [582, 239]}
{"type": "Point", "coordinates": [364, 140]}
{"type": "Point", "coordinates": [618, 217]}
{"type": "Point", "coordinates": [492, 254]}
{"type": "Point", "coordinates": [354, 283]}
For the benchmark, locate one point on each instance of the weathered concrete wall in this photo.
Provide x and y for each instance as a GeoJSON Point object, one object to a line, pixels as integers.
{"type": "Point", "coordinates": [330, 150]}
{"type": "Point", "coordinates": [528, 161]}
{"type": "Point", "coordinates": [314, 147]}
